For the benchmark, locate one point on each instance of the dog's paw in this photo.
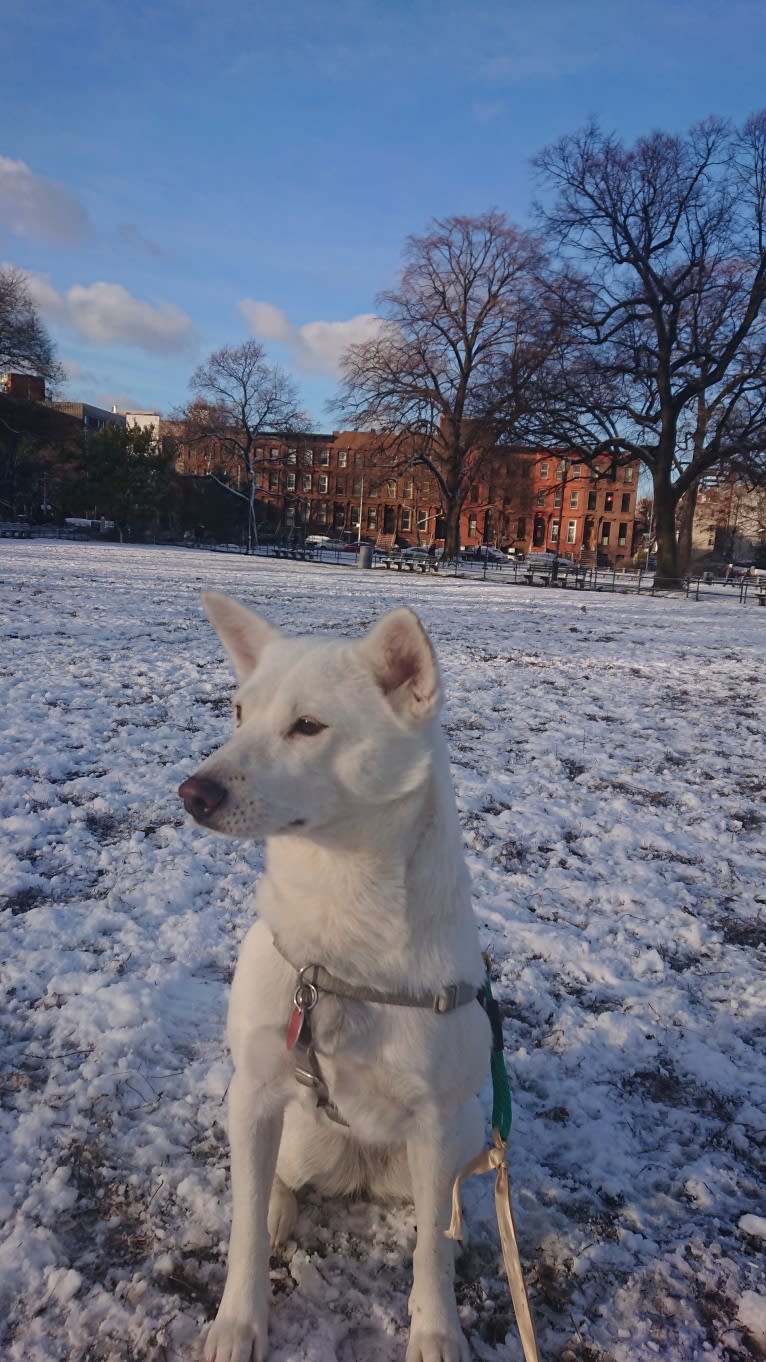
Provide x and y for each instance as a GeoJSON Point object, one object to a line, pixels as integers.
{"type": "Point", "coordinates": [231, 1340]}
{"type": "Point", "coordinates": [283, 1213]}
{"type": "Point", "coordinates": [426, 1346]}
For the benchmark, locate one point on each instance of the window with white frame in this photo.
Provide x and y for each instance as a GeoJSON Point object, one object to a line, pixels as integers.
{"type": "Point", "coordinates": [274, 481]}
{"type": "Point", "coordinates": [473, 526]}
{"type": "Point", "coordinates": [406, 518]}
{"type": "Point", "coordinates": [543, 470]}
{"type": "Point", "coordinates": [308, 457]}
{"type": "Point", "coordinates": [629, 473]}
{"type": "Point", "coordinates": [321, 513]}
{"type": "Point", "coordinates": [571, 531]}
{"type": "Point", "coordinates": [354, 517]}
{"type": "Point", "coordinates": [372, 517]}
{"type": "Point", "coordinates": [324, 458]}
{"type": "Point", "coordinates": [574, 500]}
{"type": "Point", "coordinates": [409, 489]}
{"type": "Point", "coordinates": [292, 456]}
{"type": "Point", "coordinates": [422, 520]}
{"type": "Point", "coordinates": [306, 482]}
{"type": "Point", "coordinates": [291, 482]}
{"type": "Point", "coordinates": [555, 526]}
{"type": "Point", "coordinates": [342, 458]}
{"type": "Point", "coordinates": [274, 453]}
{"type": "Point", "coordinates": [322, 482]}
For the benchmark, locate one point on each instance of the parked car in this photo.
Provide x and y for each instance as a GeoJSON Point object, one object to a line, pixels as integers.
{"type": "Point", "coordinates": [544, 561]}
{"type": "Point", "coordinates": [484, 553]}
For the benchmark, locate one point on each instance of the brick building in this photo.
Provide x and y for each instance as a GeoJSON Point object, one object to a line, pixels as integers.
{"type": "Point", "coordinates": [347, 484]}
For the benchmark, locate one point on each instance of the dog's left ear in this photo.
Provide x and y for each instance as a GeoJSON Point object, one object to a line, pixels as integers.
{"type": "Point", "coordinates": [399, 654]}
{"type": "Point", "coordinates": [243, 633]}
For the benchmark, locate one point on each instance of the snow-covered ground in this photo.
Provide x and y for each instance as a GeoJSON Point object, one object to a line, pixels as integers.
{"type": "Point", "coordinates": [610, 767]}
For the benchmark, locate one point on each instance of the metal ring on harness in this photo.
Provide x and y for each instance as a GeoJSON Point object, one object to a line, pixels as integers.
{"type": "Point", "coordinates": [306, 996]}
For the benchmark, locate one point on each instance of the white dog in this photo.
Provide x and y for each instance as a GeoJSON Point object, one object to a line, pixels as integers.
{"type": "Point", "coordinates": [359, 980]}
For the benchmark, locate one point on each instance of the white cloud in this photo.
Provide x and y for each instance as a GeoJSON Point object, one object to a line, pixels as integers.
{"type": "Point", "coordinates": [31, 205]}
{"type": "Point", "coordinates": [315, 347]}
{"type": "Point", "coordinates": [107, 313]}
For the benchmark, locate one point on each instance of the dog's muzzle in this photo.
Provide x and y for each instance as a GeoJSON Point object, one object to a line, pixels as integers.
{"type": "Point", "coordinates": [201, 797]}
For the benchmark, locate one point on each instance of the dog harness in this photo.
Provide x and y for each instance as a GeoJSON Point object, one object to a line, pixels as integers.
{"type": "Point", "coordinates": [314, 980]}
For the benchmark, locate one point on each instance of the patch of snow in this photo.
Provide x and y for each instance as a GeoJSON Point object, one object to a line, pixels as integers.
{"type": "Point", "coordinates": [609, 772]}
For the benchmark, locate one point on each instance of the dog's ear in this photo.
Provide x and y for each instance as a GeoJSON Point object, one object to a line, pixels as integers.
{"type": "Point", "coordinates": [243, 633]}
{"type": "Point", "coordinates": [399, 654]}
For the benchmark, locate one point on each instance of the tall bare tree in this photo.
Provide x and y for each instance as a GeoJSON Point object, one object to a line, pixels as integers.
{"type": "Point", "coordinates": [446, 376]}
{"type": "Point", "coordinates": [667, 355]}
{"type": "Point", "coordinates": [25, 346]}
{"type": "Point", "coordinates": [239, 397]}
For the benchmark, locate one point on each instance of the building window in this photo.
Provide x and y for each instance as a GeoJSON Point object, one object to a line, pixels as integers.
{"type": "Point", "coordinates": [290, 515]}
{"type": "Point", "coordinates": [571, 531]}
{"type": "Point", "coordinates": [258, 452]}
{"type": "Point", "coordinates": [342, 458]}
{"type": "Point", "coordinates": [521, 528]}
{"type": "Point", "coordinates": [373, 489]}
{"type": "Point", "coordinates": [422, 521]}
{"type": "Point", "coordinates": [555, 531]}
{"type": "Point", "coordinates": [629, 472]}
{"type": "Point", "coordinates": [308, 457]}
{"type": "Point", "coordinates": [406, 518]}
{"type": "Point", "coordinates": [324, 458]}
{"type": "Point", "coordinates": [543, 470]}
{"type": "Point", "coordinates": [259, 480]}
{"type": "Point", "coordinates": [576, 470]}
{"type": "Point", "coordinates": [574, 500]}
{"type": "Point", "coordinates": [340, 485]}
{"type": "Point", "coordinates": [625, 503]}
{"type": "Point", "coordinates": [409, 490]}
{"type": "Point", "coordinates": [391, 488]}
{"type": "Point", "coordinates": [622, 535]}
{"type": "Point", "coordinates": [540, 498]}
{"type": "Point", "coordinates": [557, 495]}
{"type": "Point", "coordinates": [372, 517]}
{"type": "Point", "coordinates": [292, 456]}
{"type": "Point", "coordinates": [274, 481]}
{"type": "Point", "coordinates": [322, 482]}
{"type": "Point", "coordinates": [306, 482]}
{"type": "Point", "coordinates": [609, 501]}
{"type": "Point", "coordinates": [591, 501]}
{"type": "Point", "coordinates": [274, 454]}
{"type": "Point", "coordinates": [340, 518]}
{"type": "Point", "coordinates": [358, 459]}
{"type": "Point", "coordinates": [291, 482]}
{"type": "Point", "coordinates": [473, 526]}
{"type": "Point", "coordinates": [605, 533]}
{"type": "Point", "coordinates": [321, 515]}
{"type": "Point", "coordinates": [356, 487]}
{"type": "Point", "coordinates": [354, 517]}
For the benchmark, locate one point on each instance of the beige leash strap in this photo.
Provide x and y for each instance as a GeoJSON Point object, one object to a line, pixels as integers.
{"type": "Point", "coordinates": [484, 1163]}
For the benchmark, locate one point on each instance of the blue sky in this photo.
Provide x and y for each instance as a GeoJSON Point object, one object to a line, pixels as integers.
{"type": "Point", "coordinates": [176, 175]}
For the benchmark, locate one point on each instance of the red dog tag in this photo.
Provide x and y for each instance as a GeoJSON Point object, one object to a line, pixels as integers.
{"type": "Point", "coordinates": [294, 1027]}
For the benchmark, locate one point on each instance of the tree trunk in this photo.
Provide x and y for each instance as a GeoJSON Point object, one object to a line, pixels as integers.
{"type": "Point", "coordinates": [452, 529]}
{"type": "Point", "coordinates": [685, 526]}
{"type": "Point", "coordinates": [667, 574]}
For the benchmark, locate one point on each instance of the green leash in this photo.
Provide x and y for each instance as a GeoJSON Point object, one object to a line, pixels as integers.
{"type": "Point", "coordinates": [502, 1110]}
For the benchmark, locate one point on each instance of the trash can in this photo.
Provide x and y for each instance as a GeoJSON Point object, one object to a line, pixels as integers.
{"type": "Point", "coordinates": [364, 559]}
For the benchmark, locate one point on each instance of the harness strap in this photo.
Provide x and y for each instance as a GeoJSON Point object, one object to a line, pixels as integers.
{"type": "Point", "coordinates": [448, 999]}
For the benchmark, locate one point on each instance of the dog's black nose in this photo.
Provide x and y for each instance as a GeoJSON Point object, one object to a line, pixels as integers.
{"type": "Point", "coordinates": [201, 797]}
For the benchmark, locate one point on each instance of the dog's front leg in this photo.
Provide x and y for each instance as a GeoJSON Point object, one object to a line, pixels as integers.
{"type": "Point", "coordinates": [239, 1332]}
{"type": "Point", "coordinates": [434, 1158]}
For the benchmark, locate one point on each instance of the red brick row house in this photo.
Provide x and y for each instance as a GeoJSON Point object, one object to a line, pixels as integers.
{"type": "Point", "coordinates": [347, 484]}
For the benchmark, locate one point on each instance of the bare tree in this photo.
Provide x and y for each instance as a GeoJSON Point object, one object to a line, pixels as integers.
{"type": "Point", "coordinates": [461, 335]}
{"type": "Point", "coordinates": [667, 354]}
{"type": "Point", "coordinates": [239, 398]}
{"type": "Point", "coordinates": [25, 346]}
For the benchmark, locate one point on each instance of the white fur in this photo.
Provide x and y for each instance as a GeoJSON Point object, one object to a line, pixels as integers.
{"type": "Point", "coordinates": [364, 875]}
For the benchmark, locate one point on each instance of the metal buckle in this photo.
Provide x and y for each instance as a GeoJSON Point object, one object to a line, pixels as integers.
{"type": "Point", "coordinates": [446, 1001]}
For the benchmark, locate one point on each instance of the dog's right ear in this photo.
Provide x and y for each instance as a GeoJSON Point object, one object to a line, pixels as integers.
{"type": "Point", "coordinates": [243, 633]}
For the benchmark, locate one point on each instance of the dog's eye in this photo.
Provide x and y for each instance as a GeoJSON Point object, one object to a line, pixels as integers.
{"type": "Point", "coordinates": [237, 715]}
{"type": "Point", "coordinates": [305, 727]}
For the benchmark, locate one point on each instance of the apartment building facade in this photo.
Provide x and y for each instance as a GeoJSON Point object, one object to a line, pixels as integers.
{"type": "Point", "coordinates": [348, 484]}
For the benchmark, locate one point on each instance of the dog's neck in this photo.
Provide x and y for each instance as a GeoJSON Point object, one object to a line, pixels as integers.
{"type": "Point", "coordinates": [369, 892]}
